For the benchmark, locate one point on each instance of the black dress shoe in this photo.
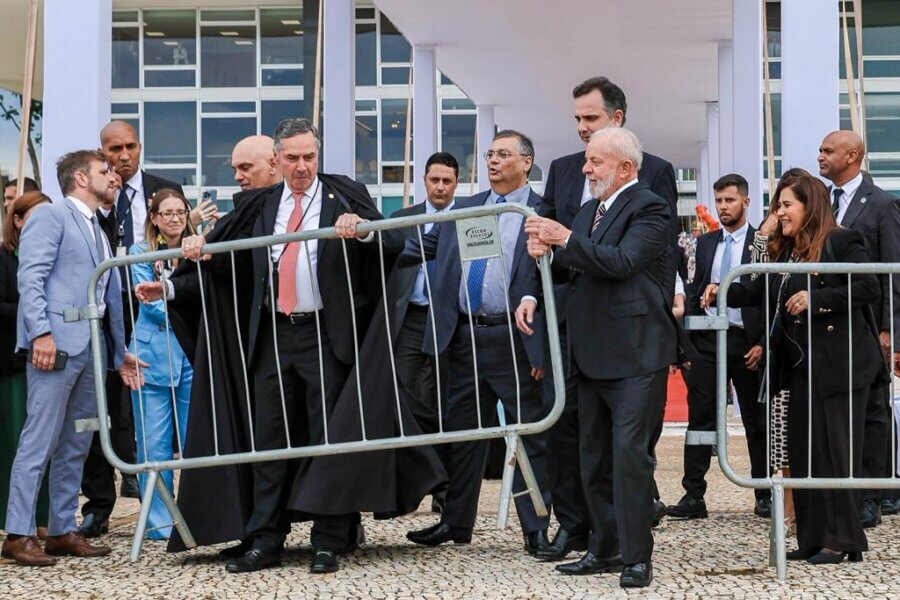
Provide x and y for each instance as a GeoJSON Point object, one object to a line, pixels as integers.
{"type": "Point", "coordinates": [870, 513]}
{"type": "Point", "coordinates": [562, 544]}
{"type": "Point", "coordinates": [324, 561]}
{"type": "Point", "coordinates": [833, 558]}
{"type": "Point", "coordinates": [94, 525]}
{"type": "Point", "coordinates": [688, 507]}
{"type": "Point", "coordinates": [801, 553]}
{"type": "Point", "coordinates": [130, 487]}
{"type": "Point", "coordinates": [438, 534]}
{"type": "Point", "coordinates": [763, 508]}
{"type": "Point", "coordinates": [254, 560]}
{"type": "Point", "coordinates": [236, 551]}
{"type": "Point", "coordinates": [536, 541]}
{"type": "Point", "coordinates": [636, 575]}
{"type": "Point", "coordinates": [890, 506]}
{"type": "Point", "coordinates": [590, 564]}
{"type": "Point", "coordinates": [659, 511]}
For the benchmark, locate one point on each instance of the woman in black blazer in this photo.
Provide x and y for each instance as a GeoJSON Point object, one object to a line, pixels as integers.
{"type": "Point", "coordinates": [828, 528]}
{"type": "Point", "coordinates": [12, 367]}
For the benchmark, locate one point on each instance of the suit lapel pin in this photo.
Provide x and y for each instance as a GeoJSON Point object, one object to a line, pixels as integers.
{"type": "Point", "coordinates": [863, 199]}
{"type": "Point", "coordinates": [330, 196]}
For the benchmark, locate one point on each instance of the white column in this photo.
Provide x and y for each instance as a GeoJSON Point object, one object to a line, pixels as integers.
{"type": "Point", "coordinates": [748, 92]}
{"type": "Point", "coordinates": [484, 124]}
{"type": "Point", "coordinates": [809, 79]}
{"type": "Point", "coordinates": [712, 141]}
{"type": "Point", "coordinates": [338, 94]}
{"type": "Point", "coordinates": [77, 80]}
{"type": "Point", "coordinates": [703, 181]}
{"type": "Point", "coordinates": [424, 114]}
{"type": "Point", "coordinates": [726, 108]}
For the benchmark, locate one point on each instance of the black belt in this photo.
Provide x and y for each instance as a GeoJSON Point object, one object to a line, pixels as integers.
{"type": "Point", "coordinates": [297, 318]}
{"type": "Point", "coordinates": [488, 320]}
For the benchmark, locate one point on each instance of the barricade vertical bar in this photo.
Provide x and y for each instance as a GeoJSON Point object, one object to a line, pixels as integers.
{"type": "Point", "coordinates": [778, 524]}
{"type": "Point", "coordinates": [891, 374]}
{"type": "Point", "coordinates": [850, 362]}
{"type": "Point", "coordinates": [137, 354]}
{"type": "Point", "coordinates": [472, 338]}
{"type": "Point", "coordinates": [437, 362]}
{"type": "Point", "coordinates": [240, 340]}
{"type": "Point", "coordinates": [362, 416]}
{"type": "Point", "coordinates": [273, 307]}
{"type": "Point", "coordinates": [172, 395]}
{"type": "Point", "coordinates": [314, 291]}
{"type": "Point", "coordinates": [390, 337]}
{"type": "Point", "coordinates": [512, 443]}
{"type": "Point", "coordinates": [809, 384]}
{"type": "Point", "coordinates": [141, 528]}
{"type": "Point", "coordinates": [212, 378]}
{"type": "Point", "coordinates": [512, 341]}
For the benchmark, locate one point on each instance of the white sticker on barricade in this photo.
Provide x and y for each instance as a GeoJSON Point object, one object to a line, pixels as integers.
{"type": "Point", "coordinates": [479, 237]}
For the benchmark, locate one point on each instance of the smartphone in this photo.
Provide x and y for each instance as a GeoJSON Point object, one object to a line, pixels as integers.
{"type": "Point", "coordinates": [62, 358]}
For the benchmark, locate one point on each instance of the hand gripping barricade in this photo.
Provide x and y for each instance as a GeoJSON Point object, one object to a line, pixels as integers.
{"type": "Point", "coordinates": [480, 224]}
{"type": "Point", "coordinates": [804, 275]}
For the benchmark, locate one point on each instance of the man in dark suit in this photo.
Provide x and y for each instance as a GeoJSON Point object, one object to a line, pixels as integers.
{"type": "Point", "coordinates": [475, 301]}
{"type": "Point", "coordinates": [309, 300]}
{"type": "Point", "coordinates": [717, 253]}
{"type": "Point", "coordinates": [599, 103]}
{"type": "Point", "coordinates": [622, 339]}
{"type": "Point", "coordinates": [418, 373]}
{"type": "Point", "coordinates": [122, 218]}
{"type": "Point", "coordinates": [861, 205]}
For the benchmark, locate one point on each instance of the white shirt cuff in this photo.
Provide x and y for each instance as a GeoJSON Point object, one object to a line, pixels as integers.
{"type": "Point", "coordinates": [532, 298]}
{"type": "Point", "coordinates": [170, 290]}
{"type": "Point", "coordinates": [368, 239]}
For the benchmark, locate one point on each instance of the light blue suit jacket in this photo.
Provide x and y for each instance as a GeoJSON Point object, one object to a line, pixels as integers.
{"type": "Point", "coordinates": [150, 333]}
{"type": "Point", "coordinates": [57, 256]}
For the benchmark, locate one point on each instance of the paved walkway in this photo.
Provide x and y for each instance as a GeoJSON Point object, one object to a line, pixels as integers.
{"type": "Point", "coordinates": [723, 556]}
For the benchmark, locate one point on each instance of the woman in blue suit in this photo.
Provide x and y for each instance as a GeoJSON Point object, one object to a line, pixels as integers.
{"type": "Point", "coordinates": [161, 405]}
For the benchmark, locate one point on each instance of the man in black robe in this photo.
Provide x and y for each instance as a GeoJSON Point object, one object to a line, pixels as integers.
{"type": "Point", "coordinates": [308, 310]}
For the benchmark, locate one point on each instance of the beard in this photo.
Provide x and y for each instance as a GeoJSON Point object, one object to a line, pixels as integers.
{"type": "Point", "coordinates": [600, 188]}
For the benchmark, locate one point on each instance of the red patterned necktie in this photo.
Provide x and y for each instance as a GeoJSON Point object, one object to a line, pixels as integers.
{"type": "Point", "coordinates": [287, 264]}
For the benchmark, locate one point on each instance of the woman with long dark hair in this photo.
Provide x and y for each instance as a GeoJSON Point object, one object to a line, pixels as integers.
{"type": "Point", "coordinates": [12, 367]}
{"type": "Point", "coordinates": [161, 405]}
{"type": "Point", "coordinates": [816, 322]}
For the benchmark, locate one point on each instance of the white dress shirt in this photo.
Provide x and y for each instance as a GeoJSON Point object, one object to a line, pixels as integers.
{"type": "Point", "coordinates": [849, 191]}
{"type": "Point", "coordinates": [606, 203]}
{"type": "Point", "coordinates": [88, 215]}
{"type": "Point", "coordinates": [135, 190]}
{"type": "Point", "coordinates": [739, 237]}
{"type": "Point", "coordinates": [309, 298]}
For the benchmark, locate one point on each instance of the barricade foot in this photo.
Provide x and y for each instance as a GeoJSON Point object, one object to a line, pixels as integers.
{"type": "Point", "coordinates": [515, 453]}
{"type": "Point", "coordinates": [141, 527]}
{"type": "Point", "coordinates": [177, 518]}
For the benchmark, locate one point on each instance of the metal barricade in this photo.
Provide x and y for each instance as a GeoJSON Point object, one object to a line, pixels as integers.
{"type": "Point", "coordinates": [777, 482]}
{"type": "Point", "coordinates": [481, 225]}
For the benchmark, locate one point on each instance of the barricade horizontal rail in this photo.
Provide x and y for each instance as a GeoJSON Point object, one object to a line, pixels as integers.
{"type": "Point", "coordinates": [779, 274]}
{"type": "Point", "coordinates": [509, 430]}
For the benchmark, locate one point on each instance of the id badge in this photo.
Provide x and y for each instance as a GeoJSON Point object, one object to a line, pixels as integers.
{"type": "Point", "coordinates": [121, 251]}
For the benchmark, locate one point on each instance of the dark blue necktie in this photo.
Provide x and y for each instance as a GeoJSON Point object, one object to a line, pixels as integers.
{"type": "Point", "coordinates": [123, 218]}
{"type": "Point", "coordinates": [477, 270]}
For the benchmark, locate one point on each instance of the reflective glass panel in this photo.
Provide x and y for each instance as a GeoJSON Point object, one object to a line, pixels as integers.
{"type": "Point", "coordinates": [367, 149]}
{"type": "Point", "coordinates": [394, 47]}
{"type": "Point", "coordinates": [179, 78]}
{"type": "Point", "coordinates": [883, 122]}
{"type": "Point", "coordinates": [458, 138]}
{"type": "Point", "coordinates": [281, 77]}
{"type": "Point", "coordinates": [170, 37]}
{"type": "Point", "coordinates": [219, 138]}
{"type": "Point", "coordinates": [281, 36]}
{"type": "Point", "coordinates": [229, 56]}
{"type": "Point", "coordinates": [125, 57]}
{"type": "Point", "coordinates": [366, 56]}
{"type": "Point", "coordinates": [171, 132]}
{"type": "Point", "coordinates": [273, 111]}
{"type": "Point", "coordinates": [391, 204]}
{"type": "Point", "coordinates": [393, 129]}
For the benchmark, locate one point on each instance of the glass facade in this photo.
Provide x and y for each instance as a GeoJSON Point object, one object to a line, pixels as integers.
{"type": "Point", "coordinates": [193, 81]}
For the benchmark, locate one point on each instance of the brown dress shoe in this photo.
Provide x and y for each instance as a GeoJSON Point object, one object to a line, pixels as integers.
{"type": "Point", "coordinates": [74, 544]}
{"type": "Point", "coordinates": [26, 550]}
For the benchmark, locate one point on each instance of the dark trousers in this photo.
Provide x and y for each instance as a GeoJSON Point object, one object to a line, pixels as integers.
{"type": "Point", "coordinates": [418, 374]}
{"type": "Point", "coordinates": [496, 379]}
{"type": "Point", "coordinates": [617, 418]}
{"type": "Point", "coordinates": [702, 409]}
{"type": "Point", "coordinates": [826, 518]}
{"type": "Point", "coordinates": [303, 411]}
{"type": "Point", "coordinates": [878, 443]}
{"type": "Point", "coordinates": [98, 481]}
{"type": "Point", "coordinates": [563, 462]}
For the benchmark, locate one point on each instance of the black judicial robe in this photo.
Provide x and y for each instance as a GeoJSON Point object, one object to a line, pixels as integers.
{"type": "Point", "coordinates": [216, 502]}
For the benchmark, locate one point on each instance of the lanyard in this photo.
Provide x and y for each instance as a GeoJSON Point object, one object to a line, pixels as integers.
{"type": "Point", "coordinates": [120, 219]}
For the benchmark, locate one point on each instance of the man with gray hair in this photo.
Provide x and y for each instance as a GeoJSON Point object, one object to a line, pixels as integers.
{"type": "Point", "coordinates": [615, 259]}
{"type": "Point", "coordinates": [300, 347]}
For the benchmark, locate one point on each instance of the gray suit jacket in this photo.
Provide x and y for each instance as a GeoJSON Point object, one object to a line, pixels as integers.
{"type": "Point", "coordinates": [57, 256]}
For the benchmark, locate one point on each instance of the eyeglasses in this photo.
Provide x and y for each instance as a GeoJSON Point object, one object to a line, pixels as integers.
{"type": "Point", "coordinates": [171, 215]}
{"type": "Point", "coordinates": [501, 154]}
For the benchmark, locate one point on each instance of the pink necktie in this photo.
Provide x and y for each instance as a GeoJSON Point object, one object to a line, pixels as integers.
{"type": "Point", "coordinates": [287, 265]}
